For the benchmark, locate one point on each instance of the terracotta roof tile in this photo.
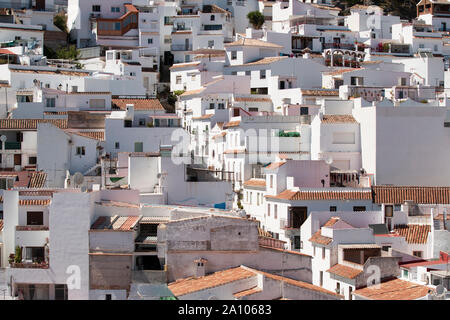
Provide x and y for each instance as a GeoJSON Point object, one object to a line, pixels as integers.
{"type": "Point", "coordinates": [266, 60]}
{"type": "Point", "coordinates": [395, 289]}
{"type": "Point", "coordinates": [30, 124]}
{"type": "Point", "coordinates": [139, 104]}
{"type": "Point", "coordinates": [247, 292]}
{"type": "Point", "coordinates": [192, 92]}
{"type": "Point", "coordinates": [220, 135]}
{"type": "Point", "coordinates": [129, 223]}
{"type": "Point", "coordinates": [323, 195]}
{"type": "Point", "coordinates": [231, 124]}
{"type": "Point", "coordinates": [234, 151]}
{"type": "Point", "coordinates": [96, 135]}
{"type": "Point", "coordinates": [34, 202]}
{"type": "Point", "coordinates": [255, 183]}
{"type": "Point", "coordinates": [182, 65]}
{"type": "Point", "coordinates": [275, 165]}
{"type": "Point", "coordinates": [338, 118]}
{"type": "Point", "coordinates": [422, 195]}
{"type": "Point", "coordinates": [320, 239]}
{"type": "Point", "coordinates": [414, 233]}
{"type": "Point", "coordinates": [203, 117]}
{"type": "Point", "coordinates": [344, 271]}
{"type": "Point", "coordinates": [190, 285]}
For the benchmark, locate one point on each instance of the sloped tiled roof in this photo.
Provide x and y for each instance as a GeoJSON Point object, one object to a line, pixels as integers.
{"type": "Point", "coordinates": [344, 271]}
{"type": "Point", "coordinates": [422, 195]}
{"type": "Point", "coordinates": [338, 118]}
{"type": "Point", "coordinates": [96, 135]}
{"type": "Point", "coordinates": [251, 99]}
{"type": "Point", "coordinates": [214, 9]}
{"type": "Point", "coordinates": [414, 233]}
{"type": "Point", "coordinates": [275, 165]}
{"type": "Point", "coordinates": [139, 104]}
{"type": "Point", "coordinates": [30, 124]}
{"type": "Point", "coordinates": [395, 289]}
{"type": "Point", "coordinates": [255, 183]}
{"type": "Point", "coordinates": [324, 195]}
{"type": "Point", "coordinates": [231, 124]}
{"type": "Point", "coordinates": [266, 60]}
{"type": "Point", "coordinates": [248, 292]}
{"type": "Point", "coordinates": [190, 285]}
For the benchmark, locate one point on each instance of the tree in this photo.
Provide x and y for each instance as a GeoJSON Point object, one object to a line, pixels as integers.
{"type": "Point", "coordinates": [60, 21]}
{"type": "Point", "coordinates": [256, 19]}
{"type": "Point", "coordinates": [69, 53]}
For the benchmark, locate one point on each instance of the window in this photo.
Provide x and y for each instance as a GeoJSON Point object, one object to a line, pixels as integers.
{"type": "Point", "coordinates": [74, 88]}
{"type": "Point", "coordinates": [388, 210]}
{"type": "Point", "coordinates": [271, 180]}
{"type": "Point", "coordinates": [248, 73]}
{"type": "Point", "coordinates": [357, 81]}
{"type": "Point", "coordinates": [297, 243]}
{"type": "Point", "coordinates": [213, 17]}
{"type": "Point", "coordinates": [32, 160]}
{"type": "Point", "coordinates": [117, 145]}
{"type": "Point", "coordinates": [304, 111]}
{"type": "Point", "coordinates": [251, 197]}
{"type": "Point", "coordinates": [338, 287]}
{"type": "Point", "coordinates": [275, 211]}
{"type": "Point", "coordinates": [108, 297]}
{"type": "Point", "coordinates": [35, 254]}
{"type": "Point", "coordinates": [268, 209]}
{"type": "Point", "coordinates": [233, 55]}
{"type": "Point", "coordinates": [350, 297]}
{"type": "Point", "coordinates": [405, 274]}
{"type": "Point", "coordinates": [115, 9]}
{"type": "Point", "coordinates": [323, 253]}
{"type": "Point", "coordinates": [178, 80]}
{"type": "Point", "coordinates": [141, 122]}
{"type": "Point", "coordinates": [314, 251]}
{"type": "Point", "coordinates": [333, 208]}
{"type": "Point", "coordinates": [359, 208]}
{"type": "Point", "coordinates": [96, 8]}
{"type": "Point", "coordinates": [418, 254]}
{"type": "Point", "coordinates": [221, 106]}
{"type": "Point", "coordinates": [211, 106]}
{"type": "Point", "coordinates": [17, 38]}
{"type": "Point", "coordinates": [35, 218]}
{"type": "Point", "coordinates": [210, 43]}
{"type": "Point", "coordinates": [138, 147]}
{"type": "Point", "coordinates": [193, 77]}
{"type": "Point", "coordinates": [81, 151]}
{"type": "Point", "coordinates": [60, 292]}
{"type": "Point", "coordinates": [150, 40]}
{"type": "Point", "coordinates": [262, 74]}
{"type": "Point", "coordinates": [421, 46]}
{"type": "Point", "coordinates": [50, 102]}
{"type": "Point", "coordinates": [321, 278]}
{"type": "Point", "coordinates": [435, 47]}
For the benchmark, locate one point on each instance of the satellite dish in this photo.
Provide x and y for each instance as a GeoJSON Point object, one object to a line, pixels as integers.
{"type": "Point", "coordinates": [3, 138]}
{"type": "Point", "coordinates": [78, 178]}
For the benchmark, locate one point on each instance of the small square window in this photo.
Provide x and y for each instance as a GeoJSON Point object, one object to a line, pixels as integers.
{"type": "Point", "coordinates": [81, 151]}
{"type": "Point", "coordinates": [117, 145]}
{"type": "Point", "coordinates": [96, 8]}
{"type": "Point", "coordinates": [150, 40]}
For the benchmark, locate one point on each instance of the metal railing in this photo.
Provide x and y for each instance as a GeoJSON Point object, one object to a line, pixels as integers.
{"type": "Point", "coordinates": [12, 146]}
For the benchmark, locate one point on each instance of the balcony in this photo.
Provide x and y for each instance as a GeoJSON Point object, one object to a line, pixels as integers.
{"type": "Point", "coordinates": [29, 265]}
{"type": "Point", "coordinates": [119, 26]}
{"type": "Point", "coordinates": [287, 225]}
{"type": "Point", "coordinates": [12, 146]}
{"type": "Point", "coordinates": [181, 47]}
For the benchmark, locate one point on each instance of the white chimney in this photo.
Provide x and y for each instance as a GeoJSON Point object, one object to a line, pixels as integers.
{"type": "Point", "coordinates": [200, 267]}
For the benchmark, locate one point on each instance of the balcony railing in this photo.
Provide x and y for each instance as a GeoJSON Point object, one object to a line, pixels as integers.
{"type": "Point", "coordinates": [149, 276]}
{"type": "Point", "coordinates": [32, 228]}
{"type": "Point", "coordinates": [286, 225]}
{"type": "Point", "coordinates": [181, 47]}
{"type": "Point", "coordinates": [12, 146]}
{"type": "Point", "coordinates": [30, 265]}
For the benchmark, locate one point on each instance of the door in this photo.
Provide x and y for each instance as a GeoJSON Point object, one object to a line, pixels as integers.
{"type": "Point", "coordinates": [186, 44]}
{"type": "Point", "coordinates": [17, 159]}
{"type": "Point", "coordinates": [40, 5]}
{"type": "Point", "coordinates": [297, 215]}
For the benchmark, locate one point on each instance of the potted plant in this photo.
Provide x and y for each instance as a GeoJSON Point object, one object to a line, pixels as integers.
{"type": "Point", "coordinates": [11, 258]}
{"type": "Point", "coordinates": [18, 255]}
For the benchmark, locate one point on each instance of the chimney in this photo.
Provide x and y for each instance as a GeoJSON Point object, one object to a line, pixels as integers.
{"type": "Point", "coordinates": [200, 267]}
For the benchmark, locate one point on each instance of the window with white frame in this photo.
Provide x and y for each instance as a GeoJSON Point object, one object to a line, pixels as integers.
{"type": "Point", "coordinates": [81, 151]}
